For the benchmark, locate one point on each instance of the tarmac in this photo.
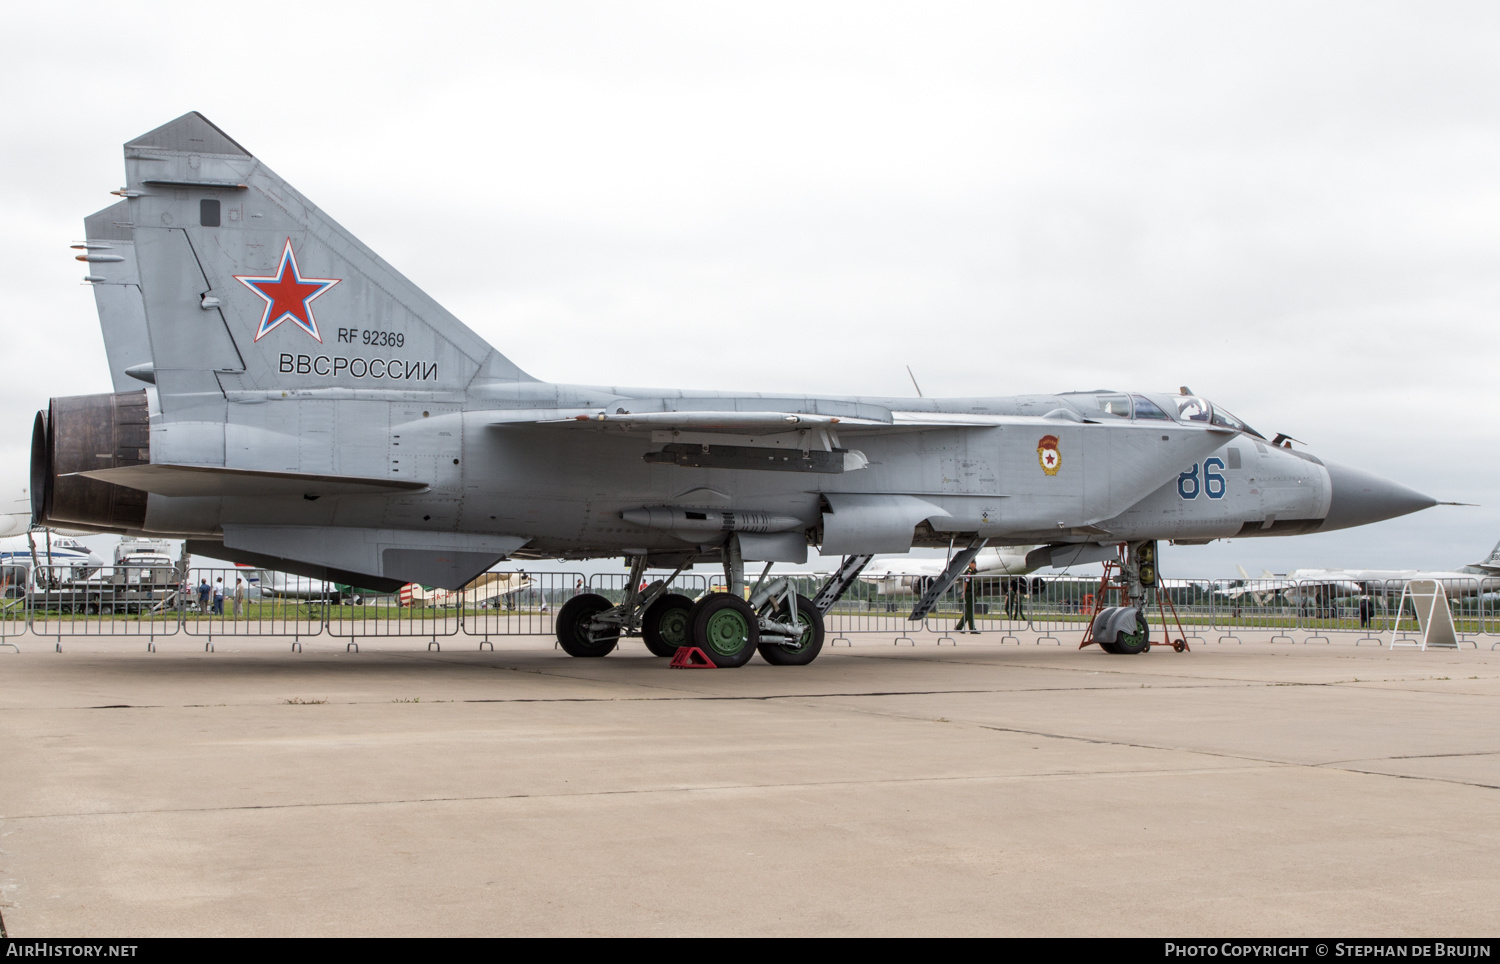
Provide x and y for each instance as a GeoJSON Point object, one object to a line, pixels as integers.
{"type": "Point", "coordinates": [1250, 789]}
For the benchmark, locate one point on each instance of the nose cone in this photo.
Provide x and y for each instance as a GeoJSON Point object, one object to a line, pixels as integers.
{"type": "Point", "coordinates": [1361, 497]}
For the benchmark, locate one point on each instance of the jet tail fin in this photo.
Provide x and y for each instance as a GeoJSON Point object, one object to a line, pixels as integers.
{"type": "Point", "coordinates": [251, 290]}
{"type": "Point", "coordinates": [109, 251]}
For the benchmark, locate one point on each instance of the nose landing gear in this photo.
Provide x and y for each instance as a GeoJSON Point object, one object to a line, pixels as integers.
{"type": "Point", "coordinates": [1124, 630]}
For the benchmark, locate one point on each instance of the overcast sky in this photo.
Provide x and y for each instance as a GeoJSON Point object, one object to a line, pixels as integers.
{"type": "Point", "coordinates": [1292, 208]}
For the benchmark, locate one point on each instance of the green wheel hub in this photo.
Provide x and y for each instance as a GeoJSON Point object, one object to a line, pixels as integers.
{"type": "Point", "coordinates": [727, 632]}
{"type": "Point", "coordinates": [674, 627]}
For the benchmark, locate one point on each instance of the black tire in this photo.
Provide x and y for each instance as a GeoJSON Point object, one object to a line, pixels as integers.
{"type": "Point", "coordinates": [724, 626]}
{"type": "Point", "coordinates": [804, 650]}
{"type": "Point", "coordinates": [572, 620]}
{"type": "Point", "coordinates": [1137, 642]}
{"type": "Point", "coordinates": [665, 624]}
{"type": "Point", "coordinates": [1112, 649]}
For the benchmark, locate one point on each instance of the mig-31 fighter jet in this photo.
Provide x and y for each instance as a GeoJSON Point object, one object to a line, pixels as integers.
{"type": "Point", "coordinates": [287, 400]}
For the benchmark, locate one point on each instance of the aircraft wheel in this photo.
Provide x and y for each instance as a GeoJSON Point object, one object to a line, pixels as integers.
{"type": "Point", "coordinates": [1129, 644]}
{"type": "Point", "coordinates": [725, 627]}
{"type": "Point", "coordinates": [572, 627]}
{"type": "Point", "coordinates": [1111, 648]}
{"type": "Point", "coordinates": [665, 624]}
{"type": "Point", "coordinates": [803, 650]}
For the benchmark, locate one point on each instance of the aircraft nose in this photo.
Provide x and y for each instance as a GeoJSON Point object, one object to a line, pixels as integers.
{"type": "Point", "coordinates": [1361, 497]}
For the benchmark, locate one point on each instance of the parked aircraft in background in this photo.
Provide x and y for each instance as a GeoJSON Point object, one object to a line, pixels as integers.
{"type": "Point", "coordinates": [285, 399]}
{"type": "Point", "coordinates": [1325, 584]}
{"type": "Point", "coordinates": [64, 551]}
{"type": "Point", "coordinates": [486, 590]}
{"type": "Point", "coordinates": [901, 574]}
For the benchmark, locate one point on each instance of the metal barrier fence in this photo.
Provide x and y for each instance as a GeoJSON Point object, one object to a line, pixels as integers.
{"type": "Point", "coordinates": [1253, 606]}
{"type": "Point", "coordinates": [1321, 610]}
{"type": "Point", "coordinates": [612, 585]}
{"type": "Point", "coordinates": [143, 601]}
{"type": "Point", "coordinates": [526, 608]}
{"type": "Point", "coordinates": [239, 602]}
{"type": "Point", "coordinates": [875, 607]}
{"type": "Point", "coordinates": [13, 603]}
{"type": "Point", "coordinates": [1001, 605]}
{"type": "Point", "coordinates": [72, 600]}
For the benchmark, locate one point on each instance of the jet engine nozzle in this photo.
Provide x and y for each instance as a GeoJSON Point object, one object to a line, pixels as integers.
{"type": "Point", "coordinates": [83, 433]}
{"type": "Point", "coordinates": [1359, 498]}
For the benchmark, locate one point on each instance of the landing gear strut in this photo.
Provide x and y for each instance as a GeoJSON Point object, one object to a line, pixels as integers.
{"type": "Point", "coordinates": [1123, 630]}
{"type": "Point", "coordinates": [590, 625]}
{"type": "Point", "coordinates": [786, 628]}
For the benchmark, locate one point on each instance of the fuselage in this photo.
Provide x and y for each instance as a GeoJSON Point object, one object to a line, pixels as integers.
{"type": "Point", "coordinates": [565, 488]}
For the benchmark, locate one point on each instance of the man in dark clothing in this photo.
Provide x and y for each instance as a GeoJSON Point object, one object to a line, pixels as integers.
{"type": "Point", "coordinates": [968, 616]}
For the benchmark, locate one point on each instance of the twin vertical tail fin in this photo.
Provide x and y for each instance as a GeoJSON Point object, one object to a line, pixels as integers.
{"type": "Point", "coordinates": [249, 289]}
{"type": "Point", "coordinates": [219, 286]}
{"type": "Point", "coordinates": [1492, 563]}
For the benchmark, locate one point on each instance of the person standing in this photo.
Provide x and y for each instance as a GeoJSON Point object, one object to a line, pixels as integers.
{"type": "Point", "coordinates": [219, 596]}
{"type": "Point", "coordinates": [1011, 598]}
{"type": "Point", "coordinates": [239, 598]}
{"type": "Point", "coordinates": [1366, 610]}
{"type": "Point", "coordinates": [968, 616]}
{"type": "Point", "coordinates": [205, 593]}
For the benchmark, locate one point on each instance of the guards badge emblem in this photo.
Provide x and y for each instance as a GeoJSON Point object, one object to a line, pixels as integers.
{"type": "Point", "coordinates": [1048, 455]}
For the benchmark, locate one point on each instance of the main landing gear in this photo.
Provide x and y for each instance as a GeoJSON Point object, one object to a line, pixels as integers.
{"type": "Point", "coordinates": [784, 627]}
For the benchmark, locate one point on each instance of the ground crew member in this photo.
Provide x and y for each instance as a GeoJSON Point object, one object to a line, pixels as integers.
{"type": "Point", "coordinates": [968, 615]}
{"type": "Point", "coordinates": [1012, 599]}
{"type": "Point", "coordinates": [239, 598]}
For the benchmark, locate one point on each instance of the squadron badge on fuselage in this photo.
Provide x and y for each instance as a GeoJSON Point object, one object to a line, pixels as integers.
{"type": "Point", "coordinates": [1048, 455]}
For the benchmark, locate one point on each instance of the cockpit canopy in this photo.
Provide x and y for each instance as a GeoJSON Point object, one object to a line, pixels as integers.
{"type": "Point", "coordinates": [1185, 408]}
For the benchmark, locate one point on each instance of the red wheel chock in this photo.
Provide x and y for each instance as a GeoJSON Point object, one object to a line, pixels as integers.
{"type": "Point", "coordinates": [691, 657]}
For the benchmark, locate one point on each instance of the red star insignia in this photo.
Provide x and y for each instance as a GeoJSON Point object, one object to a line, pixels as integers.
{"type": "Point", "coordinates": [288, 295]}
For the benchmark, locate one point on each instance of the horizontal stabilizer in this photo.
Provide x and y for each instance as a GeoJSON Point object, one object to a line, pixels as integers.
{"type": "Point", "coordinates": [205, 480]}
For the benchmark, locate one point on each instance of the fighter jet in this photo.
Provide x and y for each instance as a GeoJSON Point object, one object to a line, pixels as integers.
{"type": "Point", "coordinates": [295, 404]}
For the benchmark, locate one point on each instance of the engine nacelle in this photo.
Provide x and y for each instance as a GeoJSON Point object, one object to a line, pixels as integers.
{"type": "Point", "coordinates": [83, 433]}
